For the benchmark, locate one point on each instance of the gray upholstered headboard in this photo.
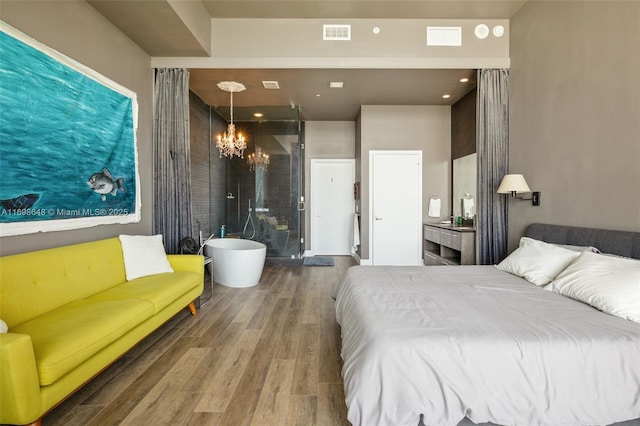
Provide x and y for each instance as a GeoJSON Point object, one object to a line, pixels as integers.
{"type": "Point", "coordinates": [622, 243]}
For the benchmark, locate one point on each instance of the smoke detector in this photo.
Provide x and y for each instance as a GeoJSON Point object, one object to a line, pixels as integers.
{"type": "Point", "coordinates": [481, 31]}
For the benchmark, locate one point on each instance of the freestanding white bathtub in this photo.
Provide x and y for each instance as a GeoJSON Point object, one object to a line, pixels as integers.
{"type": "Point", "coordinates": [236, 262]}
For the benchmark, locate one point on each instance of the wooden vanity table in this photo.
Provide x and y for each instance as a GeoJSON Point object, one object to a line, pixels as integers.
{"type": "Point", "coordinates": [446, 244]}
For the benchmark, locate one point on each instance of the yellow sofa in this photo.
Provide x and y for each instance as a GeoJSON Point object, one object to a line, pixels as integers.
{"type": "Point", "coordinates": [71, 313]}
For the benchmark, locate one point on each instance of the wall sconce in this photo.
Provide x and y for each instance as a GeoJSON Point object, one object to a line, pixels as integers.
{"type": "Point", "coordinates": [516, 184]}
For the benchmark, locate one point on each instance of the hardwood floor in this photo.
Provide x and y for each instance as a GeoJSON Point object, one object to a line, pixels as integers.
{"type": "Point", "coordinates": [266, 355]}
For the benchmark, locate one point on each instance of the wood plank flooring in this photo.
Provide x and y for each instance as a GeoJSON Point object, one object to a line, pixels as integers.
{"type": "Point", "coordinates": [265, 355]}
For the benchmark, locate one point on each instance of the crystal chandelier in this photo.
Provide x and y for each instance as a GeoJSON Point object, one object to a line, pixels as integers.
{"type": "Point", "coordinates": [258, 159]}
{"type": "Point", "coordinates": [230, 143]}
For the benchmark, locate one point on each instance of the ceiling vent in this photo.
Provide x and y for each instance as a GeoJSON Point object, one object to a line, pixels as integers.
{"type": "Point", "coordinates": [336, 32]}
{"type": "Point", "coordinates": [272, 85]}
{"type": "Point", "coordinates": [444, 36]}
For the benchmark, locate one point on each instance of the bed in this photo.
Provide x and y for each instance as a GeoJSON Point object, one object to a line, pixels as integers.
{"type": "Point", "coordinates": [442, 345]}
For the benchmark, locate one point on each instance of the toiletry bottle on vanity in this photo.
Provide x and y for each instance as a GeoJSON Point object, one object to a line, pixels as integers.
{"type": "Point", "coordinates": [222, 231]}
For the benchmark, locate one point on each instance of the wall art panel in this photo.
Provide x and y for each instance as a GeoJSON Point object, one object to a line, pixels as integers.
{"type": "Point", "coordinates": [68, 154]}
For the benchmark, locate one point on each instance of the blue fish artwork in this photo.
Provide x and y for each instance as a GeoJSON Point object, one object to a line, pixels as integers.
{"type": "Point", "coordinates": [62, 126]}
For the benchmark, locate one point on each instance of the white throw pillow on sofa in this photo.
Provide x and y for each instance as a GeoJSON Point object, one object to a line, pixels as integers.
{"type": "Point", "coordinates": [611, 284]}
{"type": "Point", "coordinates": [536, 261]}
{"type": "Point", "coordinates": [144, 255]}
{"type": "Point", "coordinates": [3, 327]}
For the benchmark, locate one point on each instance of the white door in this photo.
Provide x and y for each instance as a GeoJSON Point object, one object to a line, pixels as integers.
{"type": "Point", "coordinates": [332, 206]}
{"type": "Point", "coordinates": [396, 207]}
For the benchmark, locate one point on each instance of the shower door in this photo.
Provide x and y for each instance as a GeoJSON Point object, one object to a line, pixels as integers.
{"type": "Point", "coordinates": [263, 199]}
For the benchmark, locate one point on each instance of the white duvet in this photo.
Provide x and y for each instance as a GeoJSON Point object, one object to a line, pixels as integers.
{"type": "Point", "coordinates": [440, 343]}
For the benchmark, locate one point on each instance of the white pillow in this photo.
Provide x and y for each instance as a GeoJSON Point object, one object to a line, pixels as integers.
{"type": "Point", "coordinates": [526, 240]}
{"type": "Point", "coordinates": [611, 284]}
{"type": "Point", "coordinates": [536, 261]}
{"type": "Point", "coordinates": [144, 255]}
{"type": "Point", "coordinates": [592, 249]}
{"type": "Point", "coordinates": [3, 327]}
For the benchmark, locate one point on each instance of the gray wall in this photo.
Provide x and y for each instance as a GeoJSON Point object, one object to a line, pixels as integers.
{"type": "Point", "coordinates": [297, 43]}
{"type": "Point", "coordinates": [325, 140]}
{"type": "Point", "coordinates": [398, 38]}
{"type": "Point", "coordinates": [575, 113]}
{"type": "Point", "coordinates": [426, 128]}
{"type": "Point", "coordinates": [80, 32]}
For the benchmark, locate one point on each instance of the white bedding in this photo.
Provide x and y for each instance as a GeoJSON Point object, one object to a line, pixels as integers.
{"type": "Point", "coordinates": [474, 341]}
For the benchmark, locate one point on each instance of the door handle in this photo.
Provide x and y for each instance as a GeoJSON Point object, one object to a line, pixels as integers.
{"type": "Point", "coordinates": [377, 218]}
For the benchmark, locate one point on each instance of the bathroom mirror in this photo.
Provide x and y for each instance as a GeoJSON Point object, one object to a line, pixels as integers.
{"type": "Point", "coordinates": [464, 184]}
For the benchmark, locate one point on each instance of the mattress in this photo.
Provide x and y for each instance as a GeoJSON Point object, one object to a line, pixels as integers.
{"type": "Point", "coordinates": [438, 344]}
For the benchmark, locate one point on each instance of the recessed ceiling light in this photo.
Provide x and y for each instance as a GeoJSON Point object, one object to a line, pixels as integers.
{"type": "Point", "coordinates": [336, 84]}
{"type": "Point", "coordinates": [376, 30]}
{"type": "Point", "coordinates": [317, 95]}
{"type": "Point", "coordinates": [498, 31]}
{"type": "Point", "coordinates": [258, 114]}
{"type": "Point", "coordinates": [446, 96]}
{"type": "Point", "coordinates": [464, 80]}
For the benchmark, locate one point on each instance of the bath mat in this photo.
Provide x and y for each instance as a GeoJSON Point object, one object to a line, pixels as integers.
{"type": "Point", "coordinates": [318, 261]}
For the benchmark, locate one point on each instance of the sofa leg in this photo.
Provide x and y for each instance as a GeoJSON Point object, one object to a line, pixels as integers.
{"type": "Point", "coordinates": [192, 308]}
{"type": "Point", "coordinates": [36, 423]}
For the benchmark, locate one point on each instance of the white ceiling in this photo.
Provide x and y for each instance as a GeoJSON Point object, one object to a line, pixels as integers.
{"type": "Point", "coordinates": [155, 26]}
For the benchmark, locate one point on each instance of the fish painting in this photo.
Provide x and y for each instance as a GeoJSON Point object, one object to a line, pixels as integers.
{"type": "Point", "coordinates": [104, 183]}
{"type": "Point", "coordinates": [22, 202]}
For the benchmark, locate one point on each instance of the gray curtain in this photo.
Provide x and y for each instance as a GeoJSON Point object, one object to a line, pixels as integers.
{"type": "Point", "coordinates": [171, 152]}
{"type": "Point", "coordinates": [493, 163]}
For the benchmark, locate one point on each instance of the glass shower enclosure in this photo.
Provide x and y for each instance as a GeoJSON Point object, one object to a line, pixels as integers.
{"type": "Point", "coordinates": [263, 203]}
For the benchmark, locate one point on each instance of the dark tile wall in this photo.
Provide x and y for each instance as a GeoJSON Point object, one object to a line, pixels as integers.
{"type": "Point", "coordinates": [208, 171]}
{"type": "Point", "coordinates": [463, 126]}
